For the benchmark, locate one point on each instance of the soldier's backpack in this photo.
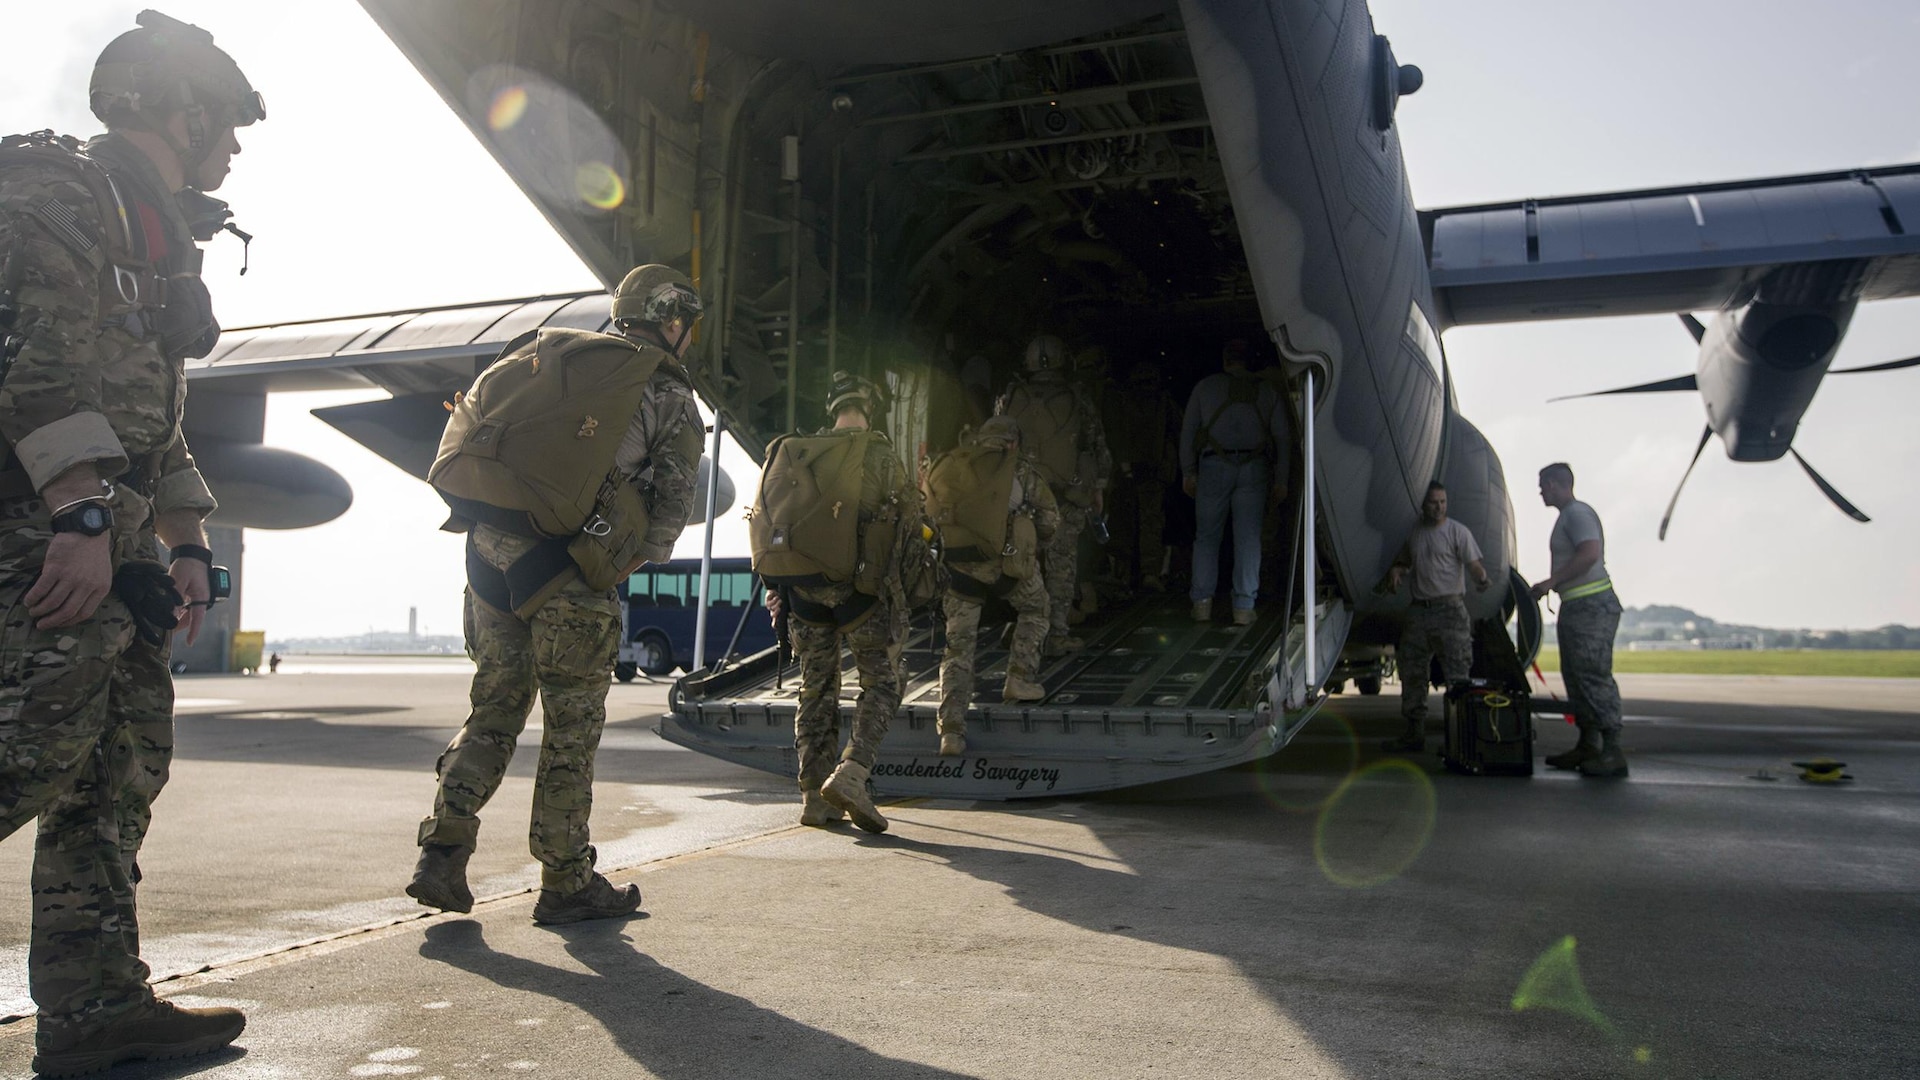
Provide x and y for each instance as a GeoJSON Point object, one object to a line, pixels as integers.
{"type": "Point", "coordinates": [968, 488]}
{"type": "Point", "coordinates": [1049, 417]}
{"type": "Point", "coordinates": [530, 448]}
{"type": "Point", "coordinates": [805, 526]}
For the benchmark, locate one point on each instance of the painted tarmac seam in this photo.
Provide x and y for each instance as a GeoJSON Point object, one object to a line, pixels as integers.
{"type": "Point", "coordinates": [325, 944]}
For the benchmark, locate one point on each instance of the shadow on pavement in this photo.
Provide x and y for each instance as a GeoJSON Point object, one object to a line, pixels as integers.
{"type": "Point", "coordinates": [670, 1025]}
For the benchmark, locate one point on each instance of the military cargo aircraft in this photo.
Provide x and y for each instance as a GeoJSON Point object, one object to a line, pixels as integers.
{"type": "Point", "coordinates": [894, 188]}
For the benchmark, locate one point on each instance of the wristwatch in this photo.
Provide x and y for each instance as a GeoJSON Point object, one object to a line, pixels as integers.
{"type": "Point", "coordinates": [87, 519]}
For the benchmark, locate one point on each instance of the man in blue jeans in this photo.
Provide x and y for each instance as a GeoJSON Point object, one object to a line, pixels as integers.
{"type": "Point", "coordinates": [1234, 455]}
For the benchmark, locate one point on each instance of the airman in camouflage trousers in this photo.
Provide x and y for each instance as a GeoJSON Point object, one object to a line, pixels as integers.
{"type": "Point", "coordinates": [1440, 627]}
{"type": "Point", "coordinates": [1586, 628]}
{"type": "Point", "coordinates": [536, 620]}
{"type": "Point", "coordinates": [1019, 574]}
{"type": "Point", "coordinates": [875, 643]}
{"type": "Point", "coordinates": [565, 651]}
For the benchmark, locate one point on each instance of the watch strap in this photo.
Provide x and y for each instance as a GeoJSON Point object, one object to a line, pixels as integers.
{"type": "Point", "coordinates": [190, 551]}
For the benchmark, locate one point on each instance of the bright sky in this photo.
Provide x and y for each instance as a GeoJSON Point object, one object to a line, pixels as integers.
{"type": "Point", "coordinates": [366, 193]}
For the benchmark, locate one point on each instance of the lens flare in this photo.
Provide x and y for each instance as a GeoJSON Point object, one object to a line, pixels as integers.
{"type": "Point", "coordinates": [1553, 982]}
{"type": "Point", "coordinates": [599, 186]}
{"type": "Point", "coordinates": [1375, 824]}
{"type": "Point", "coordinates": [1315, 764]}
{"type": "Point", "coordinates": [507, 108]}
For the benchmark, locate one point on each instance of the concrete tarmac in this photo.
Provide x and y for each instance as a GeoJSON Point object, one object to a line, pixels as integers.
{"type": "Point", "coordinates": [1335, 912]}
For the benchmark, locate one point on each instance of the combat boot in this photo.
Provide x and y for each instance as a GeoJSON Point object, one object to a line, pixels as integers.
{"type": "Point", "coordinates": [1243, 616]}
{"type": "Point", "coordinates": [440, 878]}
{"type": "Point", "coordinates": [1019, 688]}
{"type": "Point", "coordinates": [156, 1031]}
{"type": "Point", "coordinates": [818, 812]}
{"type": "Point", "coordinates": [952, 744]}
{"type": "Point", "coordinates": [1062, 644]}
{"type": "Point", "coordinates": [1588, 747]}
{"type": "Point", "coordinates": [1411, 741]}
{"type": "Point", "coordinates": [1609, 761]}
{"type": "Point", "coordinates": [847, 789]}
{"type": "Point", "coordinates": [1203, 611]}
{"type": "Point", "coordinates": [601, 899]}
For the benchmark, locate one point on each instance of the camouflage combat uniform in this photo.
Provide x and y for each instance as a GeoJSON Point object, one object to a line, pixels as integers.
{"type": "Point", "coordinates": [875, 637]}
{"type": "Point", "coordinates": [1440, 627]}
{"type": "Point", "coordinates": [565, 649]}
{"type": "Point", "coordinates": [86, 712]}
{"type": "Point", "coordinates": [1075, 500]}
{"type": "Point", "coordinates": [1028, 595]}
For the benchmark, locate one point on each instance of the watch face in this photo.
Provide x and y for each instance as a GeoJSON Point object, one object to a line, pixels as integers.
{"type": "Point", "coordinates": [94, 519]}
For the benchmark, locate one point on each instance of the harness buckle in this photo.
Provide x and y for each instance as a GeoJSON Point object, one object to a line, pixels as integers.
{"type": "Point", "coordinates": [597, 526]}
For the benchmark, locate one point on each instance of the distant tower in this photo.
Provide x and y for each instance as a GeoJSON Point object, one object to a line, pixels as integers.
{"type": "Point", "coordinates": [413, 622]}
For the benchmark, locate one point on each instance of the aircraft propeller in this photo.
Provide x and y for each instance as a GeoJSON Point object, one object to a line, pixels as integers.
{"type": "Point", "coordinates": [1688, 382]}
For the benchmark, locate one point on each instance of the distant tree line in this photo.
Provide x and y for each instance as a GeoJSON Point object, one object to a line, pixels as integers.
{"type": "Point", "coordinates": [1664, 622]}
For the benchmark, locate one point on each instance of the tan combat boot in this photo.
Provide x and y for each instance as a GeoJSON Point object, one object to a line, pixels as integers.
{"type": "Point", "coordinates": [601, 899]}
{"type": "Point", "coordinates": [847, 789]}
{"type": "Point", "coordinates": [156, 1031]}
{"type": "Point", "coordinates": [817, 812]}
{"type": "Point", "coordinates": [952, 744]}
{"type": "Point", "coordinates": [440, 878]}
{"type": "Point", "coordinates": [1062, 644]}
{"type": "Point", "coordinates": [1019, 688]}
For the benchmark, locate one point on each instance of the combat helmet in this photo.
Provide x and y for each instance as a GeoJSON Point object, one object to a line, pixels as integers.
{"type": "Point", "coordinates": [145, 75]}
{"type": "Point", "coordinates": [655, 295]}
{"type": "Point", "coordinates": [848, 387]}
{"type": "Point", "coordinates": [1046, 353]}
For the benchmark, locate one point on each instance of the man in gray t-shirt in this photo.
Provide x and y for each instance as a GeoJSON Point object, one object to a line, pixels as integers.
{"type": "Point", "coordinates": [1589, 617]}
{"type": "Point", "coordinates": [1440, 553]}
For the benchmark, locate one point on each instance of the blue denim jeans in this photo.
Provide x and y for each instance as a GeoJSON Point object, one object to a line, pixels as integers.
{"type": "Point", "coordinates": [1240, 486]}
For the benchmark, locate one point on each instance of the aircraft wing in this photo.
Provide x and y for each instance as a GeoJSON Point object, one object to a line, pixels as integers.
{"type": "Point", "coordinates": [1698, 248]}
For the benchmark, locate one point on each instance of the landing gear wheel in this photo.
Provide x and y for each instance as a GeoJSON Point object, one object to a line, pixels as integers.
{"type": "Point", "coordinates": [653, 653]}
{"type": "Point", "coordinates": [1337, 686]}
{"type": "Point", "coordinates": [1367, 684]}
{"type": "Point", "coordinates": [625, 671]}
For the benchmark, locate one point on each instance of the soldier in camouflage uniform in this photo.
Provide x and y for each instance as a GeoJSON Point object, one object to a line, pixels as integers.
{"type": "Point", "coordinates": [1080, 494]}
{"type": "Point", "coordinates": [973, 582]}
{"type": "Point", "coordinates": [1589, 619]}
{"type": "Point", "coordinates": [1440, 554]}
{"type": "Point", "coordinates": [565, 648]}
{"type": "Point", "coordinates": [832, 784]}
{"type": "Point", "coordinates": [103, 284]}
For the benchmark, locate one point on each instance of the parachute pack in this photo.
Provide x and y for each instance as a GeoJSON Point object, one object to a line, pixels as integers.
{"type": "Point", "coordinates": [805, 527]}
{"type": "Point", "coordinates": [1241, 390]}
{"type": "Point", "coordinates": [530, 448]}
{"type": "Point", "coordinates": [968, 489]}
{"type": "Point", "coordinates": [1049, 418]}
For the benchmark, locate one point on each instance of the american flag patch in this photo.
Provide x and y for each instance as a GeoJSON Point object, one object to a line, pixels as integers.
{"type": "Point", "coordinates": [66, 224]}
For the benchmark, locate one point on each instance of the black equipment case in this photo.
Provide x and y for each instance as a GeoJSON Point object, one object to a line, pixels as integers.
{"type": "Point", "coordinates": [1489, 730]}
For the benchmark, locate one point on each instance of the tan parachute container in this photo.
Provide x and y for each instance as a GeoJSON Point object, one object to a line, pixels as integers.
{"type": "Point", "coordinates": [805, 525]}
{"type": "Point", "coordinates": [1049, 419]}
{"type": "Point", "coordinates": [530, 448]}
{"type": "Point", "coordinates": [968, 489]}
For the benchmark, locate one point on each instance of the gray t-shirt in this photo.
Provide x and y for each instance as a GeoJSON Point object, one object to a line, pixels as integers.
{"type": "Point", "coordinates": [1578, 524]}
{"type": "Point", "coordinates": [1440, 554]}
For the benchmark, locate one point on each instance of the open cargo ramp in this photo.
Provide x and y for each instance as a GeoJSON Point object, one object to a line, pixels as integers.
{"type": "Point", "coordinates": [1138, 704]}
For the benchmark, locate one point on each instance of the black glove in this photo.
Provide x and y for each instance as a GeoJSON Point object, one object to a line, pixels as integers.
{"type": "Point", "coordinates": [149, 593]}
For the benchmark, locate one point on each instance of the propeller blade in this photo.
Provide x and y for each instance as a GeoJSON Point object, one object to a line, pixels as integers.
{"type": "Point", "coordinates": [1911, 361]}
{"type": "Point", "coordinates": [1694, 326]}
{"type": "Point", "coordinates": [1705, 434]}
{"type": "Point", "coordinates": [1826, 489]}
{"type": "Point", "coordinates": [1683, 382]}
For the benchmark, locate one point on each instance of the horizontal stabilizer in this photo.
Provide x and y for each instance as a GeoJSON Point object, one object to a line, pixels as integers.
{"type": "Point", "coordinates": [1826, 489]}
{"type": "Point", "coordinates": [1683, 382]}
{"type": "Point", "coordinates": [1911, 361]}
